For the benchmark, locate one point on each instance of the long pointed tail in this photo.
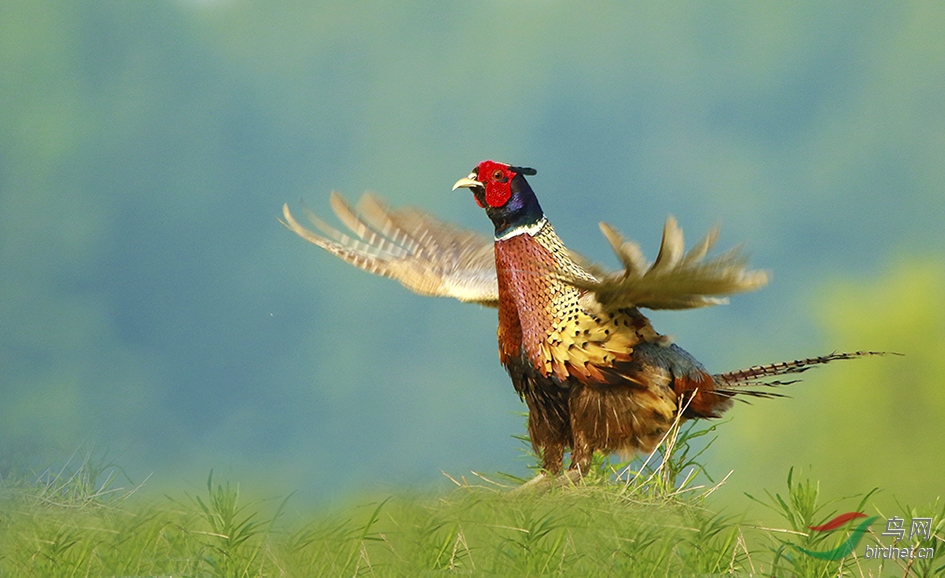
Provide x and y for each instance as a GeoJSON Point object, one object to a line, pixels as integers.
{"type": "Point", "coordinates": [737, 382]}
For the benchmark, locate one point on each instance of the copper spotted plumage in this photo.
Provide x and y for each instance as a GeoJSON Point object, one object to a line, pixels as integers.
{"type": "Point", "coordinates": [593, 372]}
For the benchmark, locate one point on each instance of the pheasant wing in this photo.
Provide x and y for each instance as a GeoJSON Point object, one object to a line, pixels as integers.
{"type": "Point", "coordinates": [676, 280]}
{"type": "Point", "coordinates": [424, 254]}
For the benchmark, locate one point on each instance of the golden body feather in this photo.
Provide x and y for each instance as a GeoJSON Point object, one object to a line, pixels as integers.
{"type": "Point", "coordinates": [572, 361]}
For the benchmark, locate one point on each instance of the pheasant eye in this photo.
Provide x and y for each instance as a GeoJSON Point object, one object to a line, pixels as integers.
{"type": "Point", "coordinates": [497, 175]}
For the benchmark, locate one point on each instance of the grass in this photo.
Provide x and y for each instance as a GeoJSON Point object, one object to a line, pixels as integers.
{"type": "Point", "coordinates": [647, 517]}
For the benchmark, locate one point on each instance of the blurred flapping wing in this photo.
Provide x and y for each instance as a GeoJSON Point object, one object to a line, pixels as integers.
{"type": "Point", "coordinates": [424, 254]}
{"type": "Point", "coordinates": [675, 280]}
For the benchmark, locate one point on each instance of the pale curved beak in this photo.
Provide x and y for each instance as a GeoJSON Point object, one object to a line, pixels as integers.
{"type": "Point", "coordinates": [468, 182]}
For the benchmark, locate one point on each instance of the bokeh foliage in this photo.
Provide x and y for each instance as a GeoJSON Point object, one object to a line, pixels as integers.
{"type": "Point", "coordinates": [873, 423]}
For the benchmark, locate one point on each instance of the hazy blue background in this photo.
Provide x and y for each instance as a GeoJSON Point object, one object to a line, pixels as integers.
{"type": "Point", "coordinates": [152, 307]}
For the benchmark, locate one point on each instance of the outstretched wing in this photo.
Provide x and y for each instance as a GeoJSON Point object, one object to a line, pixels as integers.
{"type": "Point", "coordinates": [424, 254]}
{"type": "Point", "coordinates": [675, 280]}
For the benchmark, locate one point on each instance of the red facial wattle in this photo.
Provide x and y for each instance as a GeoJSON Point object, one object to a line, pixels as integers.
{"type": "Point", "coordinates": [497, 179]}
{"type": "Point", "coordinates": [498, 194]}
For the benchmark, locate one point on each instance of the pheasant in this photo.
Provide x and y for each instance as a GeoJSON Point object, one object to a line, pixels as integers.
{"type": "Point", "coordinates": [593, 372]}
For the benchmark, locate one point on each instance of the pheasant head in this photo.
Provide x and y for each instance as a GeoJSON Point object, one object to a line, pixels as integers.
{"type": "Point", "coordinates": [503, 192]}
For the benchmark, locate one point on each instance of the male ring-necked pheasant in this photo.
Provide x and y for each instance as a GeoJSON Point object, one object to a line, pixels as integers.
{"type": "Point", "coordinates": [594, 373]}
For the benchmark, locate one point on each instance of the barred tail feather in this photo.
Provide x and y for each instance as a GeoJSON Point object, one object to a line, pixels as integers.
{"type": "Point", "coordinates": [737, 382]}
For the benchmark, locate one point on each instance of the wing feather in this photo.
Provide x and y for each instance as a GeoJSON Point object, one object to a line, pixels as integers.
{"type": "Point", "coordinates": [431, 257]}
{"type": "Point", "coordinates": [424, 254]}
{"type": "Point", "coordinates": [675, 280]}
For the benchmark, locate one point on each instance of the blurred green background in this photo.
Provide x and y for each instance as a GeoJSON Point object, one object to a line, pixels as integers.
{"type": "Point", "coordinates": [152, 307]}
